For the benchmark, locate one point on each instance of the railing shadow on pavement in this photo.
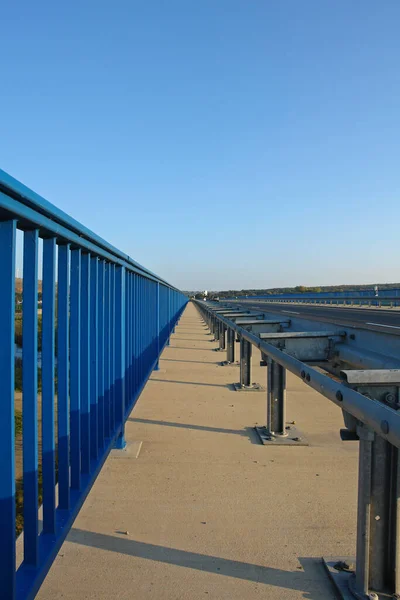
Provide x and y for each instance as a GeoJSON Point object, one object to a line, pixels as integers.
{"type": "Point", "coordinates": [246, 432]}
{"type": "Point", "coordinates": [309, 575]}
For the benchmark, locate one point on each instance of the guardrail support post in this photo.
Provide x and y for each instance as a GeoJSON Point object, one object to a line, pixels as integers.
{"type": "Point", "coordinates": [245, 363]}
{"type": "Point", "coordinates": [222, 336]}
{"type": "Point", "coordinates": [216, 330]}
{"type": "Point", "coordinates": [377, 564]}
{"type": "Point", "coordinates": [276, 399]}
{"type": "Point", "coordinates": [230, 351]}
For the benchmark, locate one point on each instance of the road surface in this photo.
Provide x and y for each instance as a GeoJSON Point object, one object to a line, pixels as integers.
{"type": "Point", "coordinates": [383, 320]}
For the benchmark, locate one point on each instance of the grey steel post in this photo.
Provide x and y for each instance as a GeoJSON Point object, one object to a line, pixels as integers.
{"type": "Point", "coordinates": [216, 330]}
{"type": "Point", "coordinates": [245, 363]}
{"type": "Point", "coordinates": [364, 509]}
{"type": "Point", "coordinates": [276, 399]}
{"type": "Point", "coordinates": [380, 558]}
{"type": "Point", "coordinates": [222, 336]}
{"type": "Point", "coordinates": [378, 542]}
{"type": "Point", "coordinates": [230, 351]}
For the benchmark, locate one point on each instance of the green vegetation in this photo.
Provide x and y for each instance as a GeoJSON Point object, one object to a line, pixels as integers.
{"type": "Point", "coordinates": [18, 331]}
{"type": "Point", "coordinates": [18, 376]}
{"type": "Point", "coordinates": [299, 289]}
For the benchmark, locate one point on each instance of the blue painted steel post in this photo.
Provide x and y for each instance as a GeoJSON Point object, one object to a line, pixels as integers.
{"type": "Point", "coordinates": [7, 427]}
{"type": "Point", "coordinates": [63, 375]}
{"type": "Point", "coordinates": [120, 276]}
{"type": "Point", "coordinates": [75, 401]}
{"type": "Point", "coordinates": [128, 312]}
{"type": "Point", "coordinates": [157, 367]}
{"type": "Point", "coordinates": [169, 316]}
{"type": "Point", "coordinates": [112, 348]}
{"type": "Point", "coordinates": [100, 354]}
{"type": "Point", "coordinates": [48, 387]}
{"type": "Point", "coordinates": [94, 383]}
{"type": "Point", "coordinates": [85, 363]}
{"type": "Point", "coordinates": [29, 397]}
{"type": "Point", "coordinates": [107, 370]}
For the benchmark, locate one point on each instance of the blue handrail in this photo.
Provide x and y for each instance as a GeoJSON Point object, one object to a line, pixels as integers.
{"type": "Point", "coordinates": [105, 321]}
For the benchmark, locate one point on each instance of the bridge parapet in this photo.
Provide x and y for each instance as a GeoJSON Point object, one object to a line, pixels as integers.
{"type": "Point", "coordinates": [104, 322]}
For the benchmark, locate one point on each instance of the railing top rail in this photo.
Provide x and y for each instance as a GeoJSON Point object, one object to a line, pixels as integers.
{"type": "Point", "coordinates": [11, 187]}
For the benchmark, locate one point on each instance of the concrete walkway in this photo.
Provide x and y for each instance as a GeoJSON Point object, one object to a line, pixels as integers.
{"type": "Point", "coordinates": [205, 511]}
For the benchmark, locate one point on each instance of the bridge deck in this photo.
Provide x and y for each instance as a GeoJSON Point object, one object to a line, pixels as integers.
{"type": "Point", "coordinates": [205, 511]}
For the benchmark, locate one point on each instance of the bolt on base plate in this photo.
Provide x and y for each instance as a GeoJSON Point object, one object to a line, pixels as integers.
{"type": "Point", "coordinates": [254, 387]}
{"type": "Point", "coordinates": [226, 363]}
{"type": "Point", "coordinates": [294, 437]}
{"type": "Point", "coordinates": [343, 579]}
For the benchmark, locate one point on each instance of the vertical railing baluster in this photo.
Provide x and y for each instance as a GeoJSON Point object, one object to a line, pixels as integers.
{"type": "Point", "coordinates": [120, 351]}
{"type": "Point", "coordinates": [85, 363]}
{"type": "Point", "coordinates": [157, 324]}
{"type": "Point", "coordinates": [100, 355]}
{"type": "Point", "coordinates": [169, 315]}
{"type": "Point", "coordinates": [112, 348]}
{"type": "Point", "coordinates": [75, 401]}
{"type": "Point", "coordinates": [94, 420]}
{"type": "Point", "coordinates": [139, 328]}
{"type": "Point", "coordinates": [129, 392]}
{"type": "Point", "coordinates": [29, 396]}
{"type": "Point", "coordinates": [107, 350]}
{"type": "Point", "coordinates": [127, 344]}
{"type": "Point", "coordinates": [7, 427]}
{"type": "Point", "coordinates": [135, 333]}
{"type": "Point", "coordinates": [142, 311]}
{"type": "Point", "coordinates": [63, 375]}
{"type": "Point", "coordinates": [48, 387]}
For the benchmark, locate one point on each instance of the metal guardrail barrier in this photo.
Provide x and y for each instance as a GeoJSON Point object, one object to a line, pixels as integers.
{"type": "Point", "coordinates": [370, 401]}
{"type": "Point", "coordinates": [105, 320]}
{"type": "Point", "coordinates": [392, 301]}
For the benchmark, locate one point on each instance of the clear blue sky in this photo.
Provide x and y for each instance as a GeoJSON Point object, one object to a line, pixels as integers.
{"type": "Point", "coordinates": [221, 143]}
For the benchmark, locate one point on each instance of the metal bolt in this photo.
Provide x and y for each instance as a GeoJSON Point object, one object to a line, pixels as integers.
{"type": "Point", "coordinates": [303, 374]}
{"type": "Point", "coordinates": [308, 377]}
{"type": "Point", "coordinates": [339, 396]}
{"type": "Point", "coordinates": [385, 427]}
{"type": "Point", "coordinates": [390, 398]}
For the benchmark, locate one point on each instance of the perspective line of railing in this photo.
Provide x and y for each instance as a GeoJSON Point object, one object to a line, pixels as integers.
{"type": "Point", "coordinates": [87, 352]}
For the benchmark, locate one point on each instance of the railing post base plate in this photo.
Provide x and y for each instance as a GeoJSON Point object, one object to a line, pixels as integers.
{"type": "Point", "coordinates": [120, 442]}
{"type": "Point", "coordinates": [130, 450]}
{"type": "Point", "coordinates": [293, 438]}
{"type": "Point", "coordinates": [254, 387]}
{"type": "Point", "coordinates": [341, 578]}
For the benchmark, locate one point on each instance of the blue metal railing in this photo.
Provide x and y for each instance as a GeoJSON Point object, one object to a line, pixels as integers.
{"type": "Point", "coordinates": [105, 321]}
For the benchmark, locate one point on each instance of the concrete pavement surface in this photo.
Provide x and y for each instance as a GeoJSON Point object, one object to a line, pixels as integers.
{"type": "Point", "coordinates": [205, 511]}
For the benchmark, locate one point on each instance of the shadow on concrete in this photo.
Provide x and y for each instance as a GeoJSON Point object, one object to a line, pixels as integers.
{"type": "Point", "coordinates": [223, 385]}
{"type": "Point", "coordinates": [246, 432]}
{"type": "Point", "coordinates": [187, 348]}
{"type": "Point", "coordinates": [310, 579]}
{"type": "Point", "coordinates": [199, 362]}
{"type": "Point", "coordinates": [185, 339]}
